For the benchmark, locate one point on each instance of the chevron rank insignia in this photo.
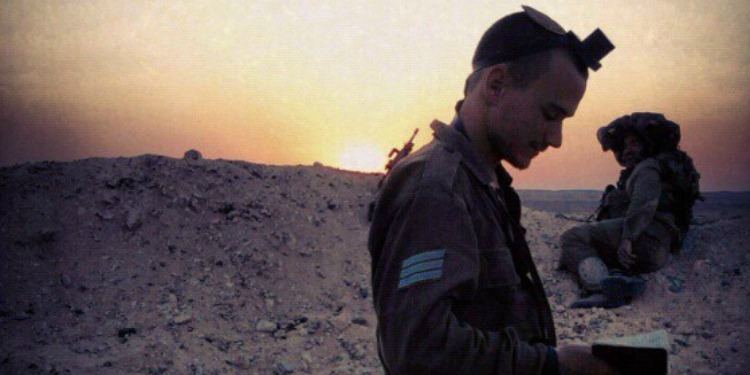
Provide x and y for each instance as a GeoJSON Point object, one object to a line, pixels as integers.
{"type": "Point", "coordinates": [424, 266]}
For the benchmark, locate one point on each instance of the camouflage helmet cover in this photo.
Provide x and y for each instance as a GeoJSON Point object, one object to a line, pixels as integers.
{"type": "Point", "coordinates": [653, 128]}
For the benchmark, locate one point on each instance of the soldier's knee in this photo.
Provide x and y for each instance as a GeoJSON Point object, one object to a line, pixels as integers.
{"type": "Point", "coordinates": [572, 235]}
{"type": "Point", "coordinates": [567, 244]}
{"type": "Point", "coordinates": [566, 259]}
{"type": "Point", "coordinates": [574, 248]}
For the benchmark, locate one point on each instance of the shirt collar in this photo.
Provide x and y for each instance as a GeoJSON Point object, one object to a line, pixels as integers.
{"type": "Point", "coordinates": [456, 139]}
{"type": "Point", "coordinates": [503, 177]}
{"type": "Point", "coordinates": [459, 126]}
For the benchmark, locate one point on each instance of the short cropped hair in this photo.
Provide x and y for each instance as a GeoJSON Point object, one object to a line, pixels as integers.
{"type": "Point", "coordinates": [523, 71]}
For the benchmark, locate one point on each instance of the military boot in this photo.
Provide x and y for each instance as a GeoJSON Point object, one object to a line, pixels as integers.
{"type": "Point", "coordinates": [617, 290]}
{"type": "Point", "coordinates": [592, 300]}
{"type": "Point", "coordinates": [620, 288]}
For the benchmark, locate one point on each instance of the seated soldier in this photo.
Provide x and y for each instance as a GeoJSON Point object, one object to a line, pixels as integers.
{"type": "Point", "coordinates": [640, 220]}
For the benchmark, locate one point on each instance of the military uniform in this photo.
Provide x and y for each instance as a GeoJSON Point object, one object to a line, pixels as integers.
{"type": "Point", "coordinates": [645, 219]}
{"type": "Point", "coordinates": [454, 286]}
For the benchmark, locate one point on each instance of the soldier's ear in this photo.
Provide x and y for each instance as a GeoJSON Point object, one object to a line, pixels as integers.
{"type": "Point", "coordinates": [495, 83]}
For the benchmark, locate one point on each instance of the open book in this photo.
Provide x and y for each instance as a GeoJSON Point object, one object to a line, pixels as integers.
{"type": "Point", "coordinates": [642, 354]}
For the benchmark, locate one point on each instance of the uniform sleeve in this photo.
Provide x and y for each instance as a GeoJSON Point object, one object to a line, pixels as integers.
{"type": "Point", "coordinates": [644, 189]}
{"type": "Point", "coordinates": [429, 262]}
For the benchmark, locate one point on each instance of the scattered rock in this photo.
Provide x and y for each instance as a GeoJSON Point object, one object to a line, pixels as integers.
{"type": "Point", "coordinates": [243, 362]}
{"type": "Point", "coordinates": [307, 357]}
{"type": "Point", "coordinates": [675, 284]}
{"type": "Point", "coordinates": [124, 333]}
{"type": "Point", "coordinates": [133, 220]}
{"type": "Point", "coordinates": [333, 205]}
{"type": "Point", "coordinates": [364, 291]}
{"type": "Point", "coordinates": [361, 321]}
{"type": "Point", "coordinates": [341, 321]}
{"type": "Point", "coordinates": [355, 351]}
{"type": "Point", "coordinates": [183, 317]}
{"type": "Point", "coordinates": [266, 326]}
{"type": "Point", "coordinates": [192, 155]}
{"type": "Point", "coordinates": [284, 367]}
{"type": "Point", "coordinates": [105, 215]}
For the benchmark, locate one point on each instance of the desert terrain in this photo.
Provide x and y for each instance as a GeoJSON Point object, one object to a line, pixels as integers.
{"type": "Point", "coordinates": [156, 265]}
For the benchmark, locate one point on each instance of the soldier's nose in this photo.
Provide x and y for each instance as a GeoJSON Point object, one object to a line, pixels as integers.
{"type": "Point", "coordinates": [554, 135]}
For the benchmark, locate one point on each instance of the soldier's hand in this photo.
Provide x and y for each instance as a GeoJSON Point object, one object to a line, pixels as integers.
{"type": "Point", "coordinates": [578, 360]}
{"type": "Point", "coordinates": [625, 253]}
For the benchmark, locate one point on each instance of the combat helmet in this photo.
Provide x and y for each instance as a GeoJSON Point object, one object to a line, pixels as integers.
{"type": "Point", "coordinates": [659, 134]}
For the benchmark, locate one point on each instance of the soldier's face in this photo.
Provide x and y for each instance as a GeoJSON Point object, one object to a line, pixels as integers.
{"type": "Point", "coordinates": [632, 151]}
{"type": "Point", "coordinates": [525, 121]}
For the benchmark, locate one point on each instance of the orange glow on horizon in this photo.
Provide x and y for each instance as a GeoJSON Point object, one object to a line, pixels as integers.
{"type": "Point", "coordinates": [296, 82]}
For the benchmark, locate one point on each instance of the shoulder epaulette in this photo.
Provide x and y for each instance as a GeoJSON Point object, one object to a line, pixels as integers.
{"type": "Point", "coordinates": [442, 165]}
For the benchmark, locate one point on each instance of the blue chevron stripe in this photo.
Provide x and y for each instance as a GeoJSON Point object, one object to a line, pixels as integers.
{"type": "Point", "coordinates": [425, 256]}
{"type": "Point", "coordinates": [421, 267]}
{"type": "Point", "coordinates": [429, 275]}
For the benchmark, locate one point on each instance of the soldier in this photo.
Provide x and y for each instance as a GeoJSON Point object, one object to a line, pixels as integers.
{"type": "Point", "coordinates": [641, 219]}
{"type": "Point", "coordinates": [454, 285]}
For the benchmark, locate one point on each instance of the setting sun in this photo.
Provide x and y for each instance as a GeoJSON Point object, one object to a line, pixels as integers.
{"type": "Point", "coordinates": [364, 158]}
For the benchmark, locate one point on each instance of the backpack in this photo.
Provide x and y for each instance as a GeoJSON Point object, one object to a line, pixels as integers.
{"type": "Point", "coordinates": [682, 187]}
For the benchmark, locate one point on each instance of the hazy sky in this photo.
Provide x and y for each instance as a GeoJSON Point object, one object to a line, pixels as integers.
{"type": "Point", "coordinates": [342, 82]}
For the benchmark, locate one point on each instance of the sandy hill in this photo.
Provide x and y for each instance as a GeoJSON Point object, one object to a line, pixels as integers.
{"type": "Point", "coordinates": [156, 265]}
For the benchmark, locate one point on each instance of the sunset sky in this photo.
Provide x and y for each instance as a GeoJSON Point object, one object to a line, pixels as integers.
{"type": "Point", "coordinates": [342, 82]}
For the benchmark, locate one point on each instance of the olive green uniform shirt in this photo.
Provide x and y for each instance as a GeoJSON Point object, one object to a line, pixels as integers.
{"type": "Point", "coordinates": [637, 217]}
{"type": "Point", "coordinates": [454, 286]}
{"type": "Point", "coordinates": [644, 188]}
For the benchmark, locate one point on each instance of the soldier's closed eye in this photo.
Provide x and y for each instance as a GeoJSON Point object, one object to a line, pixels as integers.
{"type": "Point", "coordinates": [553, 112]}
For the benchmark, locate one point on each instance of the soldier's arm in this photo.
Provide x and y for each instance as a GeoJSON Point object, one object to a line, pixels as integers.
{"type": "Point", "coordinates": [429, 263]}
{"type": "Point", "coordinates": [644, 189]}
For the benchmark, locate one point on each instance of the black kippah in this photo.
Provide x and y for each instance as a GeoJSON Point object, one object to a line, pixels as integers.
{"type": "Point", "coordinates": [528, 32]}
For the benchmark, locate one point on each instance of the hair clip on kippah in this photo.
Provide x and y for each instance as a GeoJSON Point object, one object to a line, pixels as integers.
{"type": "Point", "coordinates": [592, 49]}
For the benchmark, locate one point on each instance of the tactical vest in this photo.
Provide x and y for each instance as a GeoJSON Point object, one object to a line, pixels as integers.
{"type": "Point", "coordinates": [615, 200]}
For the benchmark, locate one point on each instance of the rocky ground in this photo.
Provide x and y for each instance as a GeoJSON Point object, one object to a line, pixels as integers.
{"type": "Point", "coordinates": [156, 265]}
